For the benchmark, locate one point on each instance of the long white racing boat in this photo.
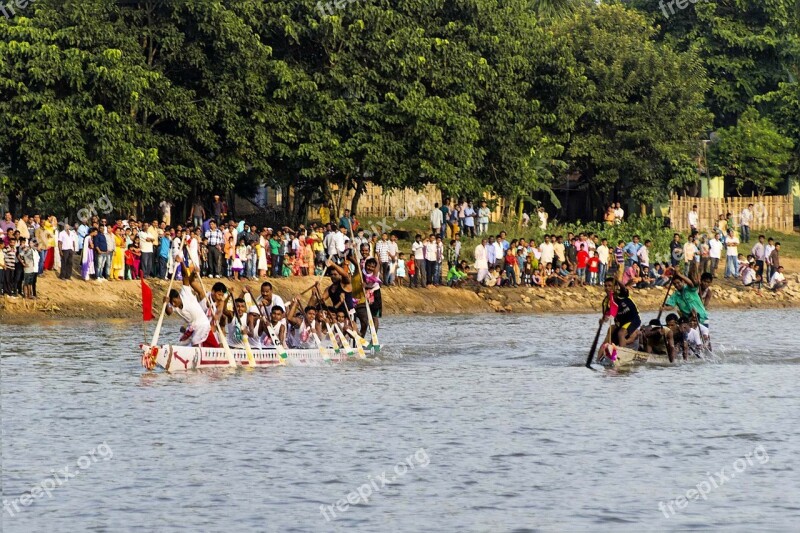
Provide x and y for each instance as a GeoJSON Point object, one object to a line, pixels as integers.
{"type": "Point", "coordinates": [174, 358]}
{"type": "Point", "coordinates": [626, 358]}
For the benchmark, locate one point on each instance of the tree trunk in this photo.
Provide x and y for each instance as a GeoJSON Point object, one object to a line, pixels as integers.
{"type": "Point", "coordinates": [520, 208]}
{"type": "Point", "coordinates": [360, 189]}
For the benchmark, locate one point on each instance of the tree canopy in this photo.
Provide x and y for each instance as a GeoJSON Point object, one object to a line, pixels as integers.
{"type": "Point", "coordinates": [147, 100]}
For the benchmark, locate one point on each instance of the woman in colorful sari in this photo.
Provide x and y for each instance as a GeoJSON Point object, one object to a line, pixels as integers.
{"type": "Point", "coordinates": [87, 258]}
{"type": "Point", "coordinates": [56, 256]}
{"type": "Point", "coordinates": [118, 259]}
{"type": "Point", "coordinates": [50, 244]}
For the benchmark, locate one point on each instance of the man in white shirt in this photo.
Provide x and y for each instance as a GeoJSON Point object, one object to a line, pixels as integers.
{"type": "Point", "coordinates": [268, 299]}
{"type": "Point", "coordinates": [644, 254]}
{"type": "Point", "coordinates": [382, 251]}
{"type": "Point", "coordinates": [694, 220]}
{"type": "Point", "coordinates": [431, 251]}
{"type": "Point", "coordinates": [732, 255]}
{"type": "Point", "coordinates": [778, 280]}
{"type": "Point", "coordinates": [618, 214]}
{"type": "Point", "coordinates": [481, 261]}
{"type": "Point", "coordinates": [715, 253]}
{"type": "Point", "coordinates": [483, 219]}
{"type": "Point", "coordinates": [547, 250]}
{"type": "Point", "coordinates": [418, 250]}
{"type": "Point", "coordinates": [437, 219]}
{"type": "Point", "coordinates": [146, 242]}
{"type": "Point", "coordinates": [67, 246]}
{"type": "Point", "coordinates": [603, 254]}
{"type": "Point", "coordinates": [768, 249]}
{"type": "Point", "coordinates": [759, 252]}
{"type": "Point", "coordinates": [499, 253]}
{"type": "Point", "coordinates": [689, 251]}
{"type": "Point", "coordinates": [185, 304]}
{"type": "Point", "coordinates": [166, 210]}
{"type": "Point", "coordinates": [745, 219]}
{"type": "Point", "coordinates": [393, 256]}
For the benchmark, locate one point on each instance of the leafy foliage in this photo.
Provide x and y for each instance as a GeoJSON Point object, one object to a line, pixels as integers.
{"type": "Point", "coordinates": [752, 152]}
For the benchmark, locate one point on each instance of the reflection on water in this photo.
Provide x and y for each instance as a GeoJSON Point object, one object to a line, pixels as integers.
{"type": "Point", "coordinates": [517, 432]}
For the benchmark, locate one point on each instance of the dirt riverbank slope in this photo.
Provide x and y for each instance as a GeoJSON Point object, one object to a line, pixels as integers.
{"type": "Point", "coordinates": [77, 299]}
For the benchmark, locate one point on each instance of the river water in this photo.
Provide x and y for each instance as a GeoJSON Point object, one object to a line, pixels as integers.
{"type": "Point", "coordinates": [483, 423]}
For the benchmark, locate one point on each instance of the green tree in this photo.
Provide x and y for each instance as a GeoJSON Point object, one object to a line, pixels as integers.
{"type": "Point", "coordinates": [752, 152]}
{"type": "Point", "coordinates": [644, 105]}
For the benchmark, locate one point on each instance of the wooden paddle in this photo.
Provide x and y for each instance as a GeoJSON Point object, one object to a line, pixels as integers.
{"type": "Point", "coordinates": [149, 360]}
{"type": "Point", "coordinates": [666, 296]}
{"type": "Point", "coordinates": [594, 347]}
{"type": "Point", "coordinates": [360, 342]}
{"type": "Point", "coordinates": [348, 350]}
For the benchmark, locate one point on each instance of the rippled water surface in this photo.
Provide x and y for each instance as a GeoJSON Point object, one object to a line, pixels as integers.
{"type": "Point", "coordinates": [484, 423]}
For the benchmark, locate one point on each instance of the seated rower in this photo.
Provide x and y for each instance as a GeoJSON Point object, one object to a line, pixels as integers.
{"type": "Point", "coordinates": [302, 326]}
{"type": "Point", "coordinates": [697, 337]}
{"type": "Point", "coordinates": [278, 324]}
{"type": "Point", "coordinates": [237, 327]}
{"type": "Point", "coordinates": [658, 339]}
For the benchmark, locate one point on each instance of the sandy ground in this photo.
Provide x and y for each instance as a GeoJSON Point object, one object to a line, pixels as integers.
{"type": "Point", "coordinates": [76, 299]}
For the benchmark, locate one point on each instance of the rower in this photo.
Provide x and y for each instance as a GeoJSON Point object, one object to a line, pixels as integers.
{"type": "Point", "coordinates": [625, 330]}
{"type": "Point", "coordinates": [372, 286]}
{"type": "Point", "coordinates": [659, 339]}
{"type": "Point", "coordinates": [341, 286]}
{"type": "Point", "coordinates": [686, 298]}
{"type": "Point", "coordinates": [255, 327]}
{"type": "Point", "coordinates": [185, 304]}
{"type": "Point", "coordinates": [302, 326]}
{"type": "Point", "coordinates": [237, 326]}
{"type": "Point", "coordinates": [278, 323]}
{"type": "Point", "coordinates": [268, 299]}
{"type": "Point", "coordinates": [697, 336]}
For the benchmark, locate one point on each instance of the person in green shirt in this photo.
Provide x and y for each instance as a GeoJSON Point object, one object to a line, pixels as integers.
{"type": "Point", "coordinates": [686, 298]}
{"type": "Point", "coordinates": [455, 276]}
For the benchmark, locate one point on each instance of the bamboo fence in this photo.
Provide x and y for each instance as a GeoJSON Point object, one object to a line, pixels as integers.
{"type": "Point", "coordinates": [769, 212]}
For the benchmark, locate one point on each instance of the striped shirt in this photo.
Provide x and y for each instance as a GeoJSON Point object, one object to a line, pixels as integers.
{"type": "Point", "coordinates": [10, 254]}
{"type": "Point", "coordinates": [214, 237]}
{"type": "Point", "coordinates": [382, 249]}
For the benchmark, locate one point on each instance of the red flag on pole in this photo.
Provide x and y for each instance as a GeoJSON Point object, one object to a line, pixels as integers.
{"type": "Point", "coordinates": [147, 302]}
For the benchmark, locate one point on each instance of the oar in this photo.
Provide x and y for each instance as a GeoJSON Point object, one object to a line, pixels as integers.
{"type": "Point", "coordinates": [251, 361]}
{"type": "Point", "coordinates": [666, 296]}
{"type": "Point", "coordinates": [332, 338]}
{"type": "Point", "coordinates": [348, 350]}
{"type": "Point", "coordinates": [149, 360]}
{"type": "Point", "coordinates": [222, 337]}
{"type": "Point", "coordinates": [360, 342]}
{"type": "Point", "coordinates": [594, 347]}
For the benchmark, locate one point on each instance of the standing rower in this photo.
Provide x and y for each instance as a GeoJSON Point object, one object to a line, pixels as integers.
{"type": "Point", "coordinates": [686, 298]}
{"type": "Point", "coordinates": [185, 304]}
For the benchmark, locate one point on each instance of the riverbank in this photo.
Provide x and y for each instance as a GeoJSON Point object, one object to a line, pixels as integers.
{"type": "Point", "coordinates": [77, 299]}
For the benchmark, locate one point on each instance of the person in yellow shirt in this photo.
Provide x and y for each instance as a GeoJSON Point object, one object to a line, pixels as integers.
{"type": "Point", "coordinates": [325, 214]}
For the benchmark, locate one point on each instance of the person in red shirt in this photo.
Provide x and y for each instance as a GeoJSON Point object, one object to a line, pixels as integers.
{"type": "Point", "coordinates": [510, 263]}
{"type": "Point", "coordinates": [594, 268]}
{"type": "Point", "coordinates": [582, 259]}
